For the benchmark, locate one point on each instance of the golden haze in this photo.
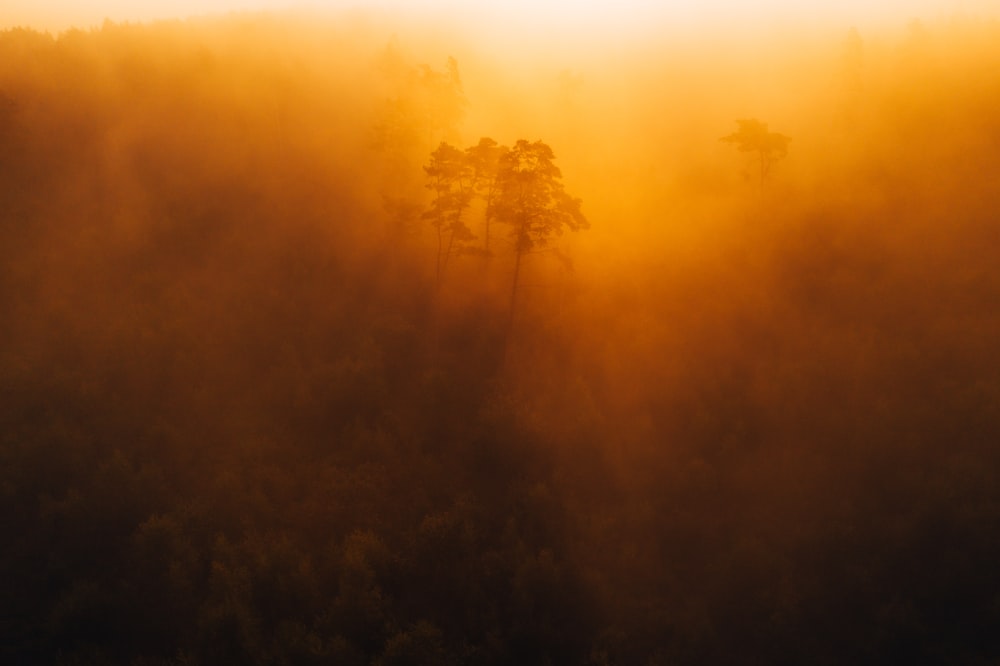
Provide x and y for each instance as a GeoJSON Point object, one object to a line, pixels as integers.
{"type": "Point", "coordinates": [593, 18]}
{"type": "Point", "coordinates": [696, 363]}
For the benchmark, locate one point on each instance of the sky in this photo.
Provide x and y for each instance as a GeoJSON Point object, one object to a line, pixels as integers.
{"type": "Point", "coordinates": [58, 15]}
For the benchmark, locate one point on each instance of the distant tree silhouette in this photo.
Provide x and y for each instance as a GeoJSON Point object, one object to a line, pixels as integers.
{"type": "Point", "coordinates": [531, 199]}
{"type": "Point", "coordinates": [450, 177]}
{"type": "Point", "coordinates": [754, 137]}
{"type": "Point", "coordinates": [447, 102]}
{"type": "Point", "coordinates": [424, 106]}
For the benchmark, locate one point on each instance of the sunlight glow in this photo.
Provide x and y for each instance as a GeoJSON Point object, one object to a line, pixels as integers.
{"type": "Point", "coordinates": [527, 15]}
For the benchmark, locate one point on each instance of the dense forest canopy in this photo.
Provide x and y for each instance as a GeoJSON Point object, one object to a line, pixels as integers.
{"type": "Point", "coordinates": [359, 342]}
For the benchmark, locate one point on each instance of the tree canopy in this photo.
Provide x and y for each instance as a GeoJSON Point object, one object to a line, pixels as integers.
{"type": "Point", "coordinates": [531, 197]}
{"type": "Point", "coordinates": [450, 177]}
{"type": "Point", "coordinates": [754, 137]}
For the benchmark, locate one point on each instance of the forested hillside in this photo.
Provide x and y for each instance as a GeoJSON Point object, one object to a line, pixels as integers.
{"type": "Point", "coordinates": [295, 368]}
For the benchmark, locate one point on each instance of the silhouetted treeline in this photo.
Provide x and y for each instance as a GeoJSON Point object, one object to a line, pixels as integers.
{"type": "Point", "coordinates": [245, 418]}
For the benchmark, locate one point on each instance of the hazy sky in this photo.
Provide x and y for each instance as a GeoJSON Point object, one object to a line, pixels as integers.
{"type": "Point", "coordinates": [60, 14]}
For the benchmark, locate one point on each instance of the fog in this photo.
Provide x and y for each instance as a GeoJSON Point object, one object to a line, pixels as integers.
{"type": "Point", "coordinates": [513, 20]}
{"type": "Point", "coordinates": [695, 362]}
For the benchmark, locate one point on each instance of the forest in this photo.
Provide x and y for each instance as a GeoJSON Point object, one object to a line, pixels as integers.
{"type": "Point", "coordinates": [371, 343]}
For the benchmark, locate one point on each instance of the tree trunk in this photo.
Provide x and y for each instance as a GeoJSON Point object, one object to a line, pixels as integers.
{"type": "Point", "coordinates": [437, 273]}
{"type": "Point", "coordinates": [513, 296]}
{"type": "Point", "coordinates": [447, 252]}
{"type": "Point", "coordinates": [486, 232]}
{"type": "Point", "coordinates": [486, 235]}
